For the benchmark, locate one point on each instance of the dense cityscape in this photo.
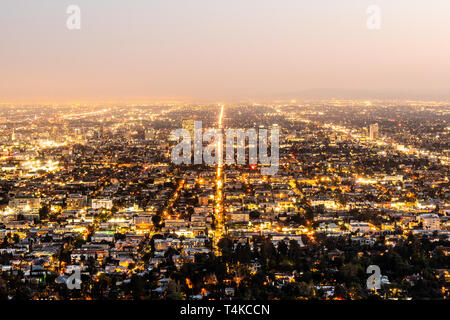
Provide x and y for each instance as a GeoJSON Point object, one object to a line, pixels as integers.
{"type": "Point", "coordinates": [93, 189]}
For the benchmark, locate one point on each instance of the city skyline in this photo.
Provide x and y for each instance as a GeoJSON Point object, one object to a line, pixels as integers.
{"type": "Point", "coordinates": [93, 204]}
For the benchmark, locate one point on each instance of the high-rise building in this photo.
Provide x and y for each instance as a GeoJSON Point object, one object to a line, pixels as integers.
{"type": "Point", "coordinates": [149, 134]}
{"type": "Point", "coordinates": [373, 131]}
{"type": "Point", "coordinates": [189, 125]}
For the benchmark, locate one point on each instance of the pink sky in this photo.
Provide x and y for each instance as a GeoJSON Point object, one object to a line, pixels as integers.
{"type": "Point", "coordinates": [222, 50]}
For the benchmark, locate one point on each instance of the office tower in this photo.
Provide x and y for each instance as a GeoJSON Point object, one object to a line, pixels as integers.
{"type": "Point", "coordinates": [189, 125]}
{"type": "Point", "coordinates": [149, 135]}
{"type": "Point", "coordinates": [373, 131]}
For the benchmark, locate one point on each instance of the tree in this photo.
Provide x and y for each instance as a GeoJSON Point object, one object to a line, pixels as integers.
{"type": "Point", "coordinates": [282, 248]}
{"type": "Point", "coordinates": [174, 291]}
{"type": "Point", "coordinates": [226, 247]}
{"type": "Point", "coordinates": [243, 253]}
{"type": "Point", "coordinates": [16, 238]}
{"type": "Point", "coordinates": [254, 214]}
{"type": "Point", "coordinates": [137, 286]}
{"type": "Point", "coordinates": [44, 212]}
{"type": "Point", "coordinates": [267, 249]}
{"type": "Point", "coordinates": [156, 219]}
{"type": "Point", "coordinates": [294, 250]}
{"type": "Point", "coordinates": [119, 236]}
{"type": "Point", "coordinates": [114, 210]}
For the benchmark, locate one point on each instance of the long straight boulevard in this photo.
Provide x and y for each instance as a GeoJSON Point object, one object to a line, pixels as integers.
{"type": "Point", "coordinates": [218, 210]}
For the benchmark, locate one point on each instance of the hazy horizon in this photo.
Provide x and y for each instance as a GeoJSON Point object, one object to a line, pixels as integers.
{"type": "Point", "coordinates": [216, 50]}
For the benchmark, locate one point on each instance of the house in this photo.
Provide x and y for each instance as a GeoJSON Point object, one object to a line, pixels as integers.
{"type": "Point", "coordinates": [25, 203]}
{"type": "Point", "coordinates": [101, 204]}
{"type": "Point", "coordinates": [361, 227]}
{"type": "Point", "coordinates": [76, 201]}
{"type": "Point", "coordinates": [430, 221]}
